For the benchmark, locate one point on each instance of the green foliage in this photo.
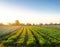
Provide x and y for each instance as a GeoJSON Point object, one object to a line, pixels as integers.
{"type": "Point", "coordinates": [31, 36]}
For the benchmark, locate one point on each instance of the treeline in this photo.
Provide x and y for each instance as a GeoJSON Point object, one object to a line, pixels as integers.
{"type": "Point", "coordinates": [17, 23]}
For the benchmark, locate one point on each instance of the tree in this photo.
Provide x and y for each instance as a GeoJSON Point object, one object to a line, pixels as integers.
{"type": "Point", "coordinates": [28, 24]}
{"type": "Point", "coordinates": [33, 24]}
{"type": "Point", "coordinates": [41, 24]}
{"type": "Point", "coordinates": [17, 22]}
{"type": "Point", "coordinates": [1, 24]}
{"type": "Point", "coordinates": [51, 23]}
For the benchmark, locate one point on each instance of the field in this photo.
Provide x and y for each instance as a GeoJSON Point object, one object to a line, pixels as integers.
{"type": "Point", "coordinates": [30, 36]}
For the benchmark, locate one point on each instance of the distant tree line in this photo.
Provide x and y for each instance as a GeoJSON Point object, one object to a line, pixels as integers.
{"type": "Point", "coordinates": [1, 24]}
{"type": "Point", "coordinates": [17, 23]}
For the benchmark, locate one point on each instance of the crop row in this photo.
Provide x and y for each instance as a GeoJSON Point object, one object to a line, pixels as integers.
{"type": "Point", "coordinates": [32, 36]}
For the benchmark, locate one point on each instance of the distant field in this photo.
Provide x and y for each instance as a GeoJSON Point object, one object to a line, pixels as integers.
{"type": "Point", "coordinates": [30, 36]}
{"type": "Point", "coordinates": [7, 29]}
{"type": "Point", "coordinates": [54, 26]}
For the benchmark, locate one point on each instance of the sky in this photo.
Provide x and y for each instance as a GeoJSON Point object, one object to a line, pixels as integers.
{"type": "Point", "coordinates": [30, 11]}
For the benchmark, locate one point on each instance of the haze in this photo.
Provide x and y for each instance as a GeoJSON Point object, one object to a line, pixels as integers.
{"type": "Point", "coordinates": [30, 11]}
